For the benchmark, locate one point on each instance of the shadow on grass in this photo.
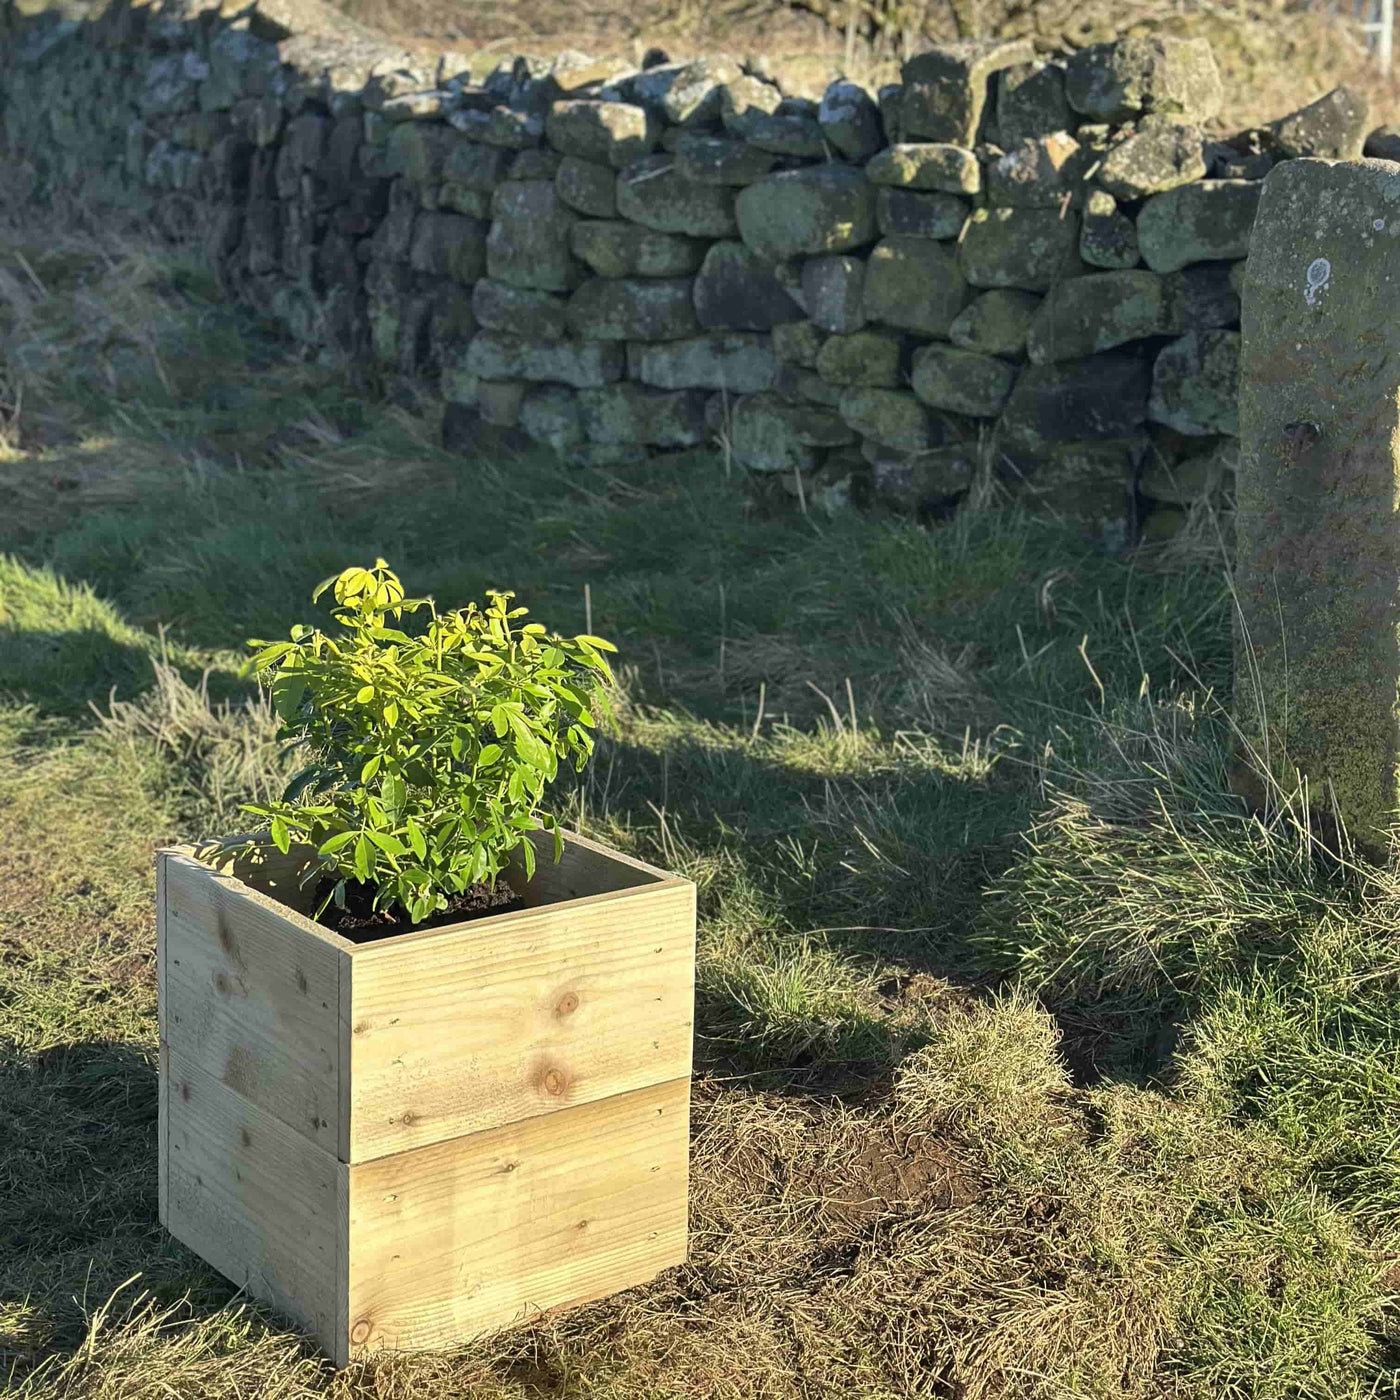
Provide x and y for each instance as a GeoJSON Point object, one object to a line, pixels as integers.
{"type": "Point", "coordinates": [62, 671]}
{"type": "Point", "coordinates": [78, 1198]}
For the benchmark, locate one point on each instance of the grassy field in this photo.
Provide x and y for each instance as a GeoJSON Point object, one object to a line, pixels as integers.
{"type": "Point", "coordinates": [1028, 1065]}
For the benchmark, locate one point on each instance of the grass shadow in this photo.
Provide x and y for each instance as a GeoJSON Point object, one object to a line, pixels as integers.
{"type": "Point", "coordinates": [78, 1198]}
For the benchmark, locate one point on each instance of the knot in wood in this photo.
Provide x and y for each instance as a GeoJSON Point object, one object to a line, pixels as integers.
{"type": "Point", "coordinates": [554, 1082]}
{"type": "Point", "coordinates": [360, 1332]}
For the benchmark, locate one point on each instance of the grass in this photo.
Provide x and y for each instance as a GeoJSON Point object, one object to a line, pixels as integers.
{"type": "Point", "coordinates": [1028, 1063]}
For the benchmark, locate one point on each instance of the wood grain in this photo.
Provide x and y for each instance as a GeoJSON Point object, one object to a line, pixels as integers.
{"type": "Point", "coordinates": [256, 1200]}
{"type": "Point", "coordinates": [463, 1237]}
{"type": "Point", "coordinates": [252, 996]}
{"type": "Point", "coordinates": [463, 1029]}
{"type": "Point", "coordinates": [584, 868]}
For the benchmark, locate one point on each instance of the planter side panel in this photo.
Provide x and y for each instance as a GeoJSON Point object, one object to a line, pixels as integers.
{"type": "Point", "coordinates": [255, 1200]}
{"type": "Point", "coordinates": [584, 868]}
{"type": "Point", "coordinates": [454, 1240]}
{"type": "Point", "coordinates": [252, 998]}
{"type": "Point", "coordinates": [519, 1016]}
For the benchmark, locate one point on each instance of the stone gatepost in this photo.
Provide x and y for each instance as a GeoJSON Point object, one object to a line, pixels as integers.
{"type": "Point", "coordinates": [1317, 632]}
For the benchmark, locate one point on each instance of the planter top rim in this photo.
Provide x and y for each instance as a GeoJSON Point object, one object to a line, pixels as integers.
{"type": "Point", "coordinates": [659, 879]}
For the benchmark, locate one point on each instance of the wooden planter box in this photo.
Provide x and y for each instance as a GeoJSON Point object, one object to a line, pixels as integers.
{"type": "Point", "coordinates": [411, 1142]}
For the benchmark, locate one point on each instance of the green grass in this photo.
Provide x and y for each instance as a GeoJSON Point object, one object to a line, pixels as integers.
{"type": "Point", "coordinates": [1028, 1063]}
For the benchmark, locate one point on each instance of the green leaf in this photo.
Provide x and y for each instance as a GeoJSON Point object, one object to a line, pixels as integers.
{"type": "Point", "coordinates": [339, 840]}
{"type": "Point", "coordinates": [364, 858]}
{"type": "Point", "coordinates": [527, 851]}
{"type": "Point", "coordinates": [287, 692]}
{"type": "Point", "coordinates": [415, 839]}
{"type": "Point", "coordinates": [270, 654]}
{"type": "Point", "coordinates": [371, 768]}
{"type": "Point", "coordinates": [280, 839]}
{"type": "Point", "coordinates": [395, 794]}
{"type": "Point", "coordinates": [597, 642]}
{"type": "Point", "coordinates": [488, 755]}
{"type": "Point", "coordinates": [364, 695]}
{"type": "Point", "coordinates": [390, 845]}
{"type": "Point", "coordinates": [391, 714]}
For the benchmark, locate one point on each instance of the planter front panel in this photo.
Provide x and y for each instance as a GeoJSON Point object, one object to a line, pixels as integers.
{"type": "Point", "coordinates": [463, 1237]}
{"type": "Point", "coordinates": [525, 1014]}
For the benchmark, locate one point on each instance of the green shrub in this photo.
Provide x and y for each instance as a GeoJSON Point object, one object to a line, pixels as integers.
{"type": "Point", "coordinates": [427, 755]}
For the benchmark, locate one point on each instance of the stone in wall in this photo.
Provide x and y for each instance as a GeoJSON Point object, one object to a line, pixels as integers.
{"type": "Point", "coordinates": [736, 290]}
{"type": "Point", "coordinates": [945, 89]}
{"type": "Point", "coordinates": [1089, 482]}
{"type": "Point", "coordinates": [1098, 312]}
{"type": "Point", "coordinates": [1185, 480]}
{"type": "Point", "coordinates": [449, 245]}
{"type": "Point", "coordinates": [870, 357]}
{"type": "Point", "coordinates": [519, 311]}
{"type": "Point", "coordinates": [584, 365]}
{"type": "Point", "coordinates": [1333, 127]}
{"type": "Point", "coordinates": [1101, 395]}
{"type": "Point", "coordinates": [772, 435]}
{"type": "Point", "coordinates": [1027, 248]}
{"type": "Point", "coordinates": [611, 133]}
{"type": "Point", "coordinates": [1107, 237]}
{"type": "Point", "coordinates": [850, 121]}
{"type": "Point", "coordinates": [737, 362]}
{"type": "Point", "coordinates": [915, 284]}
{"type": "Point", "coordinates": [1152, 160]}
{"type": "Point", "coordinates": [631, 413]}
{"type": "Point", "coordinates": [549, 413]}
{"type": "Point", "coordinates": [617, 248]}
{"type": "Point", "coordinates": [528, 245]}
{"type": "Point", "coordinates": [1031, 103]}
{"type": "Point", "coordinates": [833, 290]}
{"type": "Point", "coordinates": [1041, 172]}
{"type": "Point", "coordinates": [624, 308]}
{"type": "Point", "coordinates": [793, 213]}
{"type": "Point", "coordinates": [651, 192]}
{"type": "Point", "coordinates": [720, 160]}
{"type": "Point", "coordinates": [587, 187]}
{"type": "Point", "coordinates": [1206, 222]}
{"type": "Point", "coordinates": [1195, 383]}
{"type": "Point", "coordinates": [798, 342]}
{"type": "Point", "coordinates": [996, 322]}
{"type": "Point", "coordinates": [1133, 77]}
{"type": "Point", "coordinates": [890, 417]}
{"type": "Point", "coordinates": [922, 215]}
{"type": "Point", "coordinates": [915, 482]}
{"type": "Point", "coordinates": [926, 166]}
{"type": "Point", "coordinates": [961, 381]}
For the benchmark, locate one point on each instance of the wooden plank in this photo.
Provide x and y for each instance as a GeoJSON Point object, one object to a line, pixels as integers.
{"type": "Point", "coordinates": [266, 869]}
{"type": "Point", "coordinates": [163, 1052]}
{"type": "Point", "coordinates": [585, 868]}
{"type": "Point", "coordinates": [253, 996]}
{"type": "Point", "coordinates": [256, 1200]}
{"type": "Point", "coordinates": [457, 1239]}
{"type": "Point", "coordinates": [462, 1029]}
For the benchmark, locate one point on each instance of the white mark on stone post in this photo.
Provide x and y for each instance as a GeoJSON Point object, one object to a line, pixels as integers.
{"type": "Point", "coordinates": [1319, 274]}
{"type": "Point", "coordinates": [1378, 224]}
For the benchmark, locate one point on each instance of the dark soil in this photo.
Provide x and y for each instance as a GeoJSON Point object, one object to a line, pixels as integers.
{"type": "Point", "coordinates": [360, 922]}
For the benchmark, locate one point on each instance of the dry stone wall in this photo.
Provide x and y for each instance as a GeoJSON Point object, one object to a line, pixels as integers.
{"type": "Point", "coordinates": [1003, 259]}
